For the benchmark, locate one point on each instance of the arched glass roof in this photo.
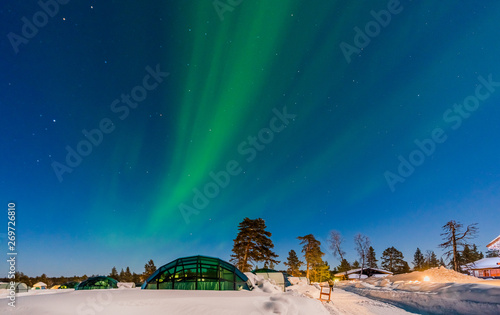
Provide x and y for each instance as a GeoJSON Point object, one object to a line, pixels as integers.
{"type": "Point", "coordinates": [198, 273]}
{"type": "Point", "coordinates": [97, 283]}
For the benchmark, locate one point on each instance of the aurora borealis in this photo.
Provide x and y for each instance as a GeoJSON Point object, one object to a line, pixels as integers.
{"type": "Point", "coordinates": [321, 168]}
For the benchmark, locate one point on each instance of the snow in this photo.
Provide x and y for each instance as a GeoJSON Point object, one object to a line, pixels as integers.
{"type": "Point", "coordinates": [492, 262]}
{"type": "Point", "coordinates": [266, 298]}
{"type": "Point", "coordinates": [447, 292]}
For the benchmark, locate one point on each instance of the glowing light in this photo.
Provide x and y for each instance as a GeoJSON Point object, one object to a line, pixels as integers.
{"type": "Point", "coordinates": [426, 278]}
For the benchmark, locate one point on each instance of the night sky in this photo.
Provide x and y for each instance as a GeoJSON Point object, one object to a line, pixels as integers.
{"type": "Point", "coordinates": [256, 106]}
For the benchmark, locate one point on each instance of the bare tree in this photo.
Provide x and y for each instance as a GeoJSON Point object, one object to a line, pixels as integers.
{"type": "Point", "coordinates": [454, 238]}
{"type": "Point", "coordinates": [335, 242]}
{"type": "Point", "coordinates": [362, 243]}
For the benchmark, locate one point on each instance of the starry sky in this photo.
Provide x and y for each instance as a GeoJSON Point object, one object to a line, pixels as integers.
{"type": "Point", "coordinates": [190, 116]}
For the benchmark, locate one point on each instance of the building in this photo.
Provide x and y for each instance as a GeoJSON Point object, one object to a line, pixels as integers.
{"type": "Point", "coordinates": [367, 272]}
{"type": "Point", "coordinates": [495, 244]}
{"type": "Point", "coordinates": [100, 282]}
{"type": "Point", "coordinates": [198, 273]}
{"type": "Point", "coordinates": [39, 286]}
{"type": "Point", "coordinates": [485, 268]}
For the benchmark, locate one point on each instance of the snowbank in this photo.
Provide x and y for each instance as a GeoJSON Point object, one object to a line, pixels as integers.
{"type": "Point", "coordinates": [266, 298]}
{"type": "Point", "coordinates": [447, 292]}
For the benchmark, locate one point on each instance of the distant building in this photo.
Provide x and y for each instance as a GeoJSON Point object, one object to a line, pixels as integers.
{"type": "Point", "coordinates": [495, 244]}
{"type": "Point", "coordinates": [485, 268]}
{"type": "Point", "coordinates": [39, 286]}
{"type": "Point", "coordinates": [367, 272]}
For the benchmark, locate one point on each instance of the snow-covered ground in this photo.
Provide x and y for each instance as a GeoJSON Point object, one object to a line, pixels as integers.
{"type": "Point", "coordinates": [444, 292]}
{"type": "Point", "coordinates": [447, 293]}
{"type": "Point", "coordinates": [266, 298]}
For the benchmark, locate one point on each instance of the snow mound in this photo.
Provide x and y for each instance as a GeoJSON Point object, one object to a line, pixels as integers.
{"type": "Point", "coordinates": [440, 275]}
{"type": "Point", "coordinates": [263, 285]}
{"type": "Point", "coordinates": [447, 292]}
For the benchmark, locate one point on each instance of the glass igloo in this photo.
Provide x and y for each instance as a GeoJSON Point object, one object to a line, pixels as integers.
{"type": "Point", "coordinates": [198, 273]}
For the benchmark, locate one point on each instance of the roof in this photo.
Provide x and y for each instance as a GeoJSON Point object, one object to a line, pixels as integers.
{"type": "Point", "coordinates": [365, 270]}
{"type": "Point", "coordinates": [39, 284]}
{"type": "Point", "coordinates": [496, 242]}
{"type": "Point", "coordinates": [485, 263]}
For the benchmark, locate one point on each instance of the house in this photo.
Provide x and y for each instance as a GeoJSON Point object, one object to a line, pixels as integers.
{"type": "Point", "coordinates": [39, 286]}
{"type": "Point", "coordinates": [485, 268]}
{"type": "Point", "coordinates": [367, 272]}
{"type": "Point", "coordinates": [495, 244]}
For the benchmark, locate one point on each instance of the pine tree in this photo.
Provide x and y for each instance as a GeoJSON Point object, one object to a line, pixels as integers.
{"type": "Point", "coordinates": [253, 245]}
{"type": "Point", "coordinates": [418, 260]}
{"type": "Point", "coordinates": [293, 263]}
{"type": "Point", "coordinates": [114, 273]}
{"type": "Point", "coordinates": [312, 251]}
{"type": "Point", "coordinates": [371, 260]}
{"type": "Point", "coordinates": [442, 263]}
{"type": "Point", "coordinates": [344, 266]}
{"type": "Point", "coordinates": [454, 239]}
{"type": "Point", "coordinates": [128, 275]}
{"type": "Point", "coordinates": [431, 260]}
{"type": "Point", "coordinates": [392, 260]}
{"type": "Point", "coordinates": [355, 264]}
{"type": "Point", "coordinates": [121, 277]}
{"type": "Point", "coordinates": [470, 255]}
{"type": "Point", "coordinates": [149, 269]}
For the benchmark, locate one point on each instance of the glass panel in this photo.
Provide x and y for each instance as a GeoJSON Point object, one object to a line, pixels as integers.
{"type": "Point", "coordinates": [208, 285]}
{"type": "Point", "coordinates": [226, 285]}
{"type": "Point", "coordinates": [185, 285]}
{"type": "Point", "coordinates": [226, 274]}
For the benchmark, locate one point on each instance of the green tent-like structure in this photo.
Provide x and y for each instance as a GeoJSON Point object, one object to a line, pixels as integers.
{"type": "Point", "coordinates": [97, 283]}
{"type": "Point", "coordinates": [69, 285]}
{"type": "Point", "coordinates": [198, 273]}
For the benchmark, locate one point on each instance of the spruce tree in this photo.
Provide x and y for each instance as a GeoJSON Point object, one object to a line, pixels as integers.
{"type": "Point", "coordinates": [431, 260]}
{"type": "Point", "coordinates": [253, 245]}
{"type": "Point", "coordinates": [312, 251]}
{"type": "Point", "coordinates": [355, 264]}
{"type": "Point", "coordinates": [344, 266]}
{"type": "Point", "coordinates": [149, 269]}
{"type": "Point", "coordinates": [128, 275]}
{"type": "Point", "coordinates": [392, 260]}
{"type": "Point", "coordinates": [293, 263]}
{"type": "Point", "coordinates": [114, 273]}
{"type": "Point", "coordinates": [418, 260]}
{"type": "Point", "coordinates": [371, 260]}
{"type": "Point", "coordinates": [121, 277]}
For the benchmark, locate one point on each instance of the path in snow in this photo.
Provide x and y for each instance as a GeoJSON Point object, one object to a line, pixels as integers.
{"type": "Point", "coordinates": [346, 303]}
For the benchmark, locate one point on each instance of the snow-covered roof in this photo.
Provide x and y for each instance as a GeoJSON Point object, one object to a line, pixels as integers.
{"type": "Point", "coordinates": [495, 244]}
{"type": "Point", "coordinates": [374, 270]}
{"type": "Point", "coordinates": [485, 263]}
{"type": "Point", "coordinates": [39, 284]}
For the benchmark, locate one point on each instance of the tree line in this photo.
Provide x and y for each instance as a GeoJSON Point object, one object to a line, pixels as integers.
{"type": "Point", "coordinates": [123, 276]}
{"type": "Point", "coordinates": [253, 245]}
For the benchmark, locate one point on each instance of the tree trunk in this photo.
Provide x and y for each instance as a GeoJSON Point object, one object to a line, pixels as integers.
{"type": "Point", "coordinates": [454, 242]}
